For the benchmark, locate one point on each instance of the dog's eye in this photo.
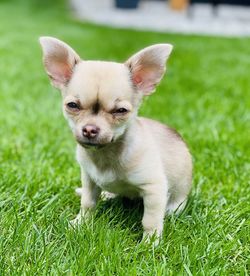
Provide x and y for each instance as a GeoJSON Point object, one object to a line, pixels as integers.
{"type": "Point", "coordinates": [121, 110]}
{"type": "Point", "coordinates": [73, 105]}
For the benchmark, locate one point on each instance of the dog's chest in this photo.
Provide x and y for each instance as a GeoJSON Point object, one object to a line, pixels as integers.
{"type": "Point", "coordinates": [112, 180]}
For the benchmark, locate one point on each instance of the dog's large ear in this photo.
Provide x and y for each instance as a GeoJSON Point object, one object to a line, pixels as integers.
{"type": "Point", "coordinates": [147, 67]}
{"type": "Point", "coordinates": [59, 60]}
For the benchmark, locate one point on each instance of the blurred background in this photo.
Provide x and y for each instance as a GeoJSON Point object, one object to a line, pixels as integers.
{"type": "Point", "coordinates": [216, 17]}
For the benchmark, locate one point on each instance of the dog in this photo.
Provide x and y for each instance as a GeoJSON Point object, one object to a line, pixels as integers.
{"type": "Point", "coordinates": [118, 151]}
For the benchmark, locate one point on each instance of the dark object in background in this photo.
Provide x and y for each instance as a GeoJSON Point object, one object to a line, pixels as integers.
{"type": "Point", "coordinates": [127, 4]}
{"type": "Point", "coordinates": [215, 4]}
{"type": "Point", "coordinates": [227, 2]}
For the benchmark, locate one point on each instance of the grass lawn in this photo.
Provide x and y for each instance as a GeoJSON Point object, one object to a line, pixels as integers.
{"type": "Point", "coordinates": [205, 96]}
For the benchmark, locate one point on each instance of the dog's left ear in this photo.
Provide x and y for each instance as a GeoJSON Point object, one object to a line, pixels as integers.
{"type": "Point", "coordinates": [59, 60]}
{"type": "Point", "coordinates": [147, 67]}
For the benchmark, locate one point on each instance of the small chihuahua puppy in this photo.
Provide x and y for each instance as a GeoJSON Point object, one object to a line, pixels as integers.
{"type": "Point", "coordinates": [119, 152]}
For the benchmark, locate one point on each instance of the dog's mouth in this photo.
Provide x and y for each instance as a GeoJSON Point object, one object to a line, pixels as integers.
{"type": "Point", "coordinates": [94, 145]}
{"type": "Point", "coordinates": [89, 145]}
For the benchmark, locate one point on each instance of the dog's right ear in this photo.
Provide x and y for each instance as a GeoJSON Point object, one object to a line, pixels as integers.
{"type": "Point", "coordinates": [147, 67]}
{"type": "Point", "coordinates": [59, 60]}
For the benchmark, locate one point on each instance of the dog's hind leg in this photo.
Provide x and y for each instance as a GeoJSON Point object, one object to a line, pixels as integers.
{"type": "Point", "coordinates": [176, 205]}
{"type": "Point", "coordinates": [78, 191]}
{"type": "Point", "coordinates": [107, 195]}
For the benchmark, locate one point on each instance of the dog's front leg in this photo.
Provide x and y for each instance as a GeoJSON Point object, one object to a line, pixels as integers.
{"type": "Point", "coordinates": [90, 194]}
{"type": "Point", "coordinates": [155, 201]}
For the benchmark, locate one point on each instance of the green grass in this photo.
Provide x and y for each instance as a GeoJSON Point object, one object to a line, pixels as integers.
{"type": "Point", "coordinates": [205, 96]}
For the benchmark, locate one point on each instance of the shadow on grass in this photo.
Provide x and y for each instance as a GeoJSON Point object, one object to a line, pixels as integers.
{"type": "Point", "coordinates": [121, 211]}
{"type": "Point", "coordinates": [128, 213]}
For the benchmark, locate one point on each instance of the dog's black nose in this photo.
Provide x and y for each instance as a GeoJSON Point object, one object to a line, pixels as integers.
{"type": "Point", "coordinates": [90, 131]}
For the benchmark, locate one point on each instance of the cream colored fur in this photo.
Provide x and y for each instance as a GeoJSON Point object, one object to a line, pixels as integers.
{"type": "Point", "coordinates": [131, 156]}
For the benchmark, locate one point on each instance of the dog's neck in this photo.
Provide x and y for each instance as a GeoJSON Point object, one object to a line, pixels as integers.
{"type": "Point", "coordinates": [107, 157]}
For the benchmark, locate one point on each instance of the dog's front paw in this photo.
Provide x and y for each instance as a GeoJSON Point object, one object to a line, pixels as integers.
{"type": "Point", "coordinates": [151, 237]}
{"type": "Point", "coordinates": [77, 220]}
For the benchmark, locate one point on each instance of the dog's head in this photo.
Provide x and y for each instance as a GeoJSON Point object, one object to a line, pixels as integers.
{"type": "Point", "coordinates": [101, 98]}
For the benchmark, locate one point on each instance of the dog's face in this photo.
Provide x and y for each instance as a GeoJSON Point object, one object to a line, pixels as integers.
{"type": "Point", "coordinates": [99, 102]}
{"type": "Point", "coordinates": [100, 99]}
